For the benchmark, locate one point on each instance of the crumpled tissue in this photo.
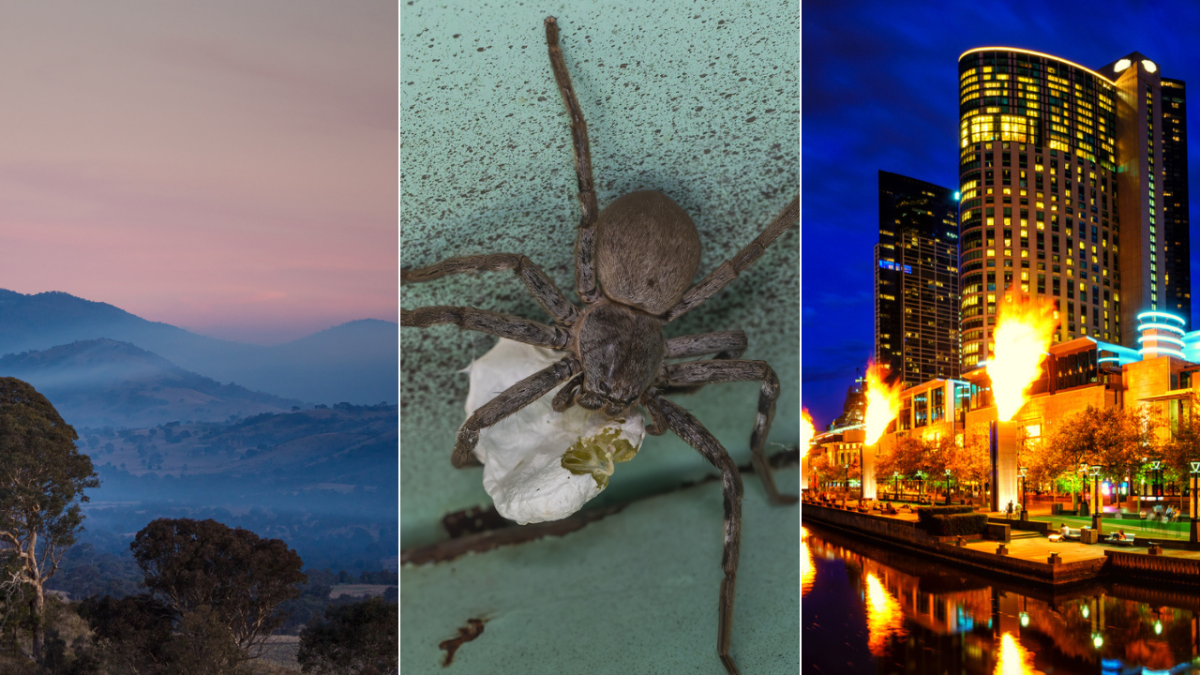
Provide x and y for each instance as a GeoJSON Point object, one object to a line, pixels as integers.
{"type": "Point", "coordinates": [540, 465]}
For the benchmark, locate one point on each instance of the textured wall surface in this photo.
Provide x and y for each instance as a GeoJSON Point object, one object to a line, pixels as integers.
{"type": "Point", "coordinates": [699, 101]}
{"type": "Point", "coordinates": [636, 592]}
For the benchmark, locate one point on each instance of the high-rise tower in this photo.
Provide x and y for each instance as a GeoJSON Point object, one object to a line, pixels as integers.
{"type": "Point", "coordinates": [1178, 279]}
{"type": "Point", "coordinates": [916, 280]}
{"type": "Point", "coordinates": [1064, 182]}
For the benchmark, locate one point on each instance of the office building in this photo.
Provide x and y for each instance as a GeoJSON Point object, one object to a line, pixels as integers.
{"type": "Point", "coordinates": [1065, 173]}
{"type": "Point", "coordinates": [916, 280]}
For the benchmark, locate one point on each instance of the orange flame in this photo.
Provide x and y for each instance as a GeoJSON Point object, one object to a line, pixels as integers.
{"type": "Point", "coordinates": [807, 431]}
{"type": "Point", "coordinates": [1024, 330]}
{"type": "Point", "coordinates": [883, 403]}
{"type": "Point", "coordinates": [884, 617]}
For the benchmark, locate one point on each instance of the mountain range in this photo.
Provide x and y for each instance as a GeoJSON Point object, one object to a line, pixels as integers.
{"type": "Point", "coordinates": [356, 362]}
{"type": "Point", "coordinates": [97, 383]}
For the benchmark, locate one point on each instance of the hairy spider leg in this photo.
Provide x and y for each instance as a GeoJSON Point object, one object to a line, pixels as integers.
{"type": "Point", "coordinates": [495, 323]}
{"type": "Point", "coordinates": [585, 266]}
{"type": "Point", "coordinates": [694, 434]}
{"type": "Point", "coordinates": [506, 403]}
{"type": "Point", "coordinates": [540, 286]}
{"type": "Point", "coordinates": [728, 271]}
{"type": "Point", "coordinates": [565, 397]}
{"type": "Point", "coordinates": [728, 344]}
{"type": "Point", "coordinates": [713, 371]}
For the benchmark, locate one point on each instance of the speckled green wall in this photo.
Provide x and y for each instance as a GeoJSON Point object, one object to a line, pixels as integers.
{"type": "Point", "coordinates": [697, 100]}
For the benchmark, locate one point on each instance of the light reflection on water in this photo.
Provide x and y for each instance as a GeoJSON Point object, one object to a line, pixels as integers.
{"type": "Point", "coordinates": [807, 570]}
{"type": "Point", "coordinates": [884, 618]}
{"type": "Point", "coordinates": [889, 612]}
{"type": "Point", "coordinates": [1013, 658]}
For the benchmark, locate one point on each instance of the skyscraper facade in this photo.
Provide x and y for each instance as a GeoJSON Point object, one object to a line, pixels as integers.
{"type": "Point", "coordinates": [916, 280]}
{"type": "Point", "coordinates": [1178, 278]}
{"type": "Point", "coordinates": [1064, 190]}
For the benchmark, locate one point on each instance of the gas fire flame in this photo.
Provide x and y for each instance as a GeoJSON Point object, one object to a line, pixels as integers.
{"type": "Point", "coordinates": [1024, 330]}
{"type": "Point", "coordinates": [807, 431]}
{"type": "Point", "coordinates": [883, 403]}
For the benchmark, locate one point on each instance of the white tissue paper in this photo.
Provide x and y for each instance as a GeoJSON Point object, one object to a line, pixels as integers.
{"type": "Point", "coordinates": [526, 454]}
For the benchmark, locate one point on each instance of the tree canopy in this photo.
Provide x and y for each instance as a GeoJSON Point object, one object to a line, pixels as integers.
{"type": "Point", "coordinates": [1114, 438]}
{"type": "Point", "coordinates": [236, 574]}
{"type": "Point", "coordinates": [42, 479]}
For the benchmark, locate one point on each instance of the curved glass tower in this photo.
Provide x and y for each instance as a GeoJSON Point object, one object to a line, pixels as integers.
{"type": "Point", "coordinates": [1038, 171]}
{"type": "Point", "coordinates": [1074, 188]}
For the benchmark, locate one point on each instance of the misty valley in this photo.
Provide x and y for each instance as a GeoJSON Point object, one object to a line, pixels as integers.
{"type": "Point", "coordinates": [319, 473]}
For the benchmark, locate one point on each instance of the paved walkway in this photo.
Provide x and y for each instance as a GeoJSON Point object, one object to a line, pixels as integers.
{"type": "Point", "coordinates": [1039, 548]}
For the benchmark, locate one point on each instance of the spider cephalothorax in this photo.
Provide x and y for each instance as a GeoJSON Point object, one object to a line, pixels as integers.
{"type": "Point", "coordinates": [634, 266]}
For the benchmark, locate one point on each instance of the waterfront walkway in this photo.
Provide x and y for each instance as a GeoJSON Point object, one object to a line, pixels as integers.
{"type": "Point", "coordinates": [1038, 548]}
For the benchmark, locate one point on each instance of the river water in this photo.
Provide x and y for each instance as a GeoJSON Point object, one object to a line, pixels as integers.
{"type": "Point", "coordinates": [867, 608]}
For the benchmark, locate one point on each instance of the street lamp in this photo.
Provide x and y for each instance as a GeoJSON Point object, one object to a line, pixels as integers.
{"type": "Point", "coordinates": [1194, 487]}
{"type": "Point", "coordinates": [1024, 508]}
{"type": "Point", "coordinates": [845, 482]}
{"type": "Point", "coordinates": [921, 477]}
{"type": "Point", "coordinates": [1096, 497]}
{"type": "Point", "coordinates": [896, 485]}
{"type": "Point", "coordinates": [1156, 467]}
{"type": "Point", "coordinates": [947, 487]}
{"type": "Point", "coordinates": [1083, 469]}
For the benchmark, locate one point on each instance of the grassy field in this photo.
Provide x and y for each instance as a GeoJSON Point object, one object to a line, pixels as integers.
{"type": "Point", "coordinates": [1138, 528]}
{"type": "Point", "coordinates": [357, 590]}
{"type": "Point", "coordinates": [279, 656]}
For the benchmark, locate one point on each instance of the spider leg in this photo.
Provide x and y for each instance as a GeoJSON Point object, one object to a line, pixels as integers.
{"type": "Point", "coordinates": [503, 325]}
{"type": "Point", "coordinates": [585, 269]}
{"type": "Point", "coordinates": [728, 271]}
{"type": "Point", "coordinates": [565, 398]}
{"type": "Point", "coordinates": [725, 344]}
{"type": "Point", "coordinates": [694, 434]}
{"type": "Point", "coordinates": [704, 372]}
{"type": "Point", "coordinates": [540, 286]}
{"type": "Point", "coordinates": [658, 420]}
{"type": "Point", "coordinates": [506, 403]}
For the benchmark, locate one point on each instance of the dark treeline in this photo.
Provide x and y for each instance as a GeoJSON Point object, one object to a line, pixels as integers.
{"type": "Point", "coordinates": [213, 572]}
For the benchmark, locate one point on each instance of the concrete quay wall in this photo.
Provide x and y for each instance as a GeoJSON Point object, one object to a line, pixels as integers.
{"type": "Point", "coordinates": [908, 536]}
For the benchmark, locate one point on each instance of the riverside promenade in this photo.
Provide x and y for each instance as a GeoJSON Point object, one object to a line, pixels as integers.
{"type": "Point", "coordinates": [1028, 555]}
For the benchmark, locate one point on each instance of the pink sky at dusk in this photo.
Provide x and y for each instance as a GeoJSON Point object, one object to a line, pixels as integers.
{"type": "Point", "coordinates": [226, 167]}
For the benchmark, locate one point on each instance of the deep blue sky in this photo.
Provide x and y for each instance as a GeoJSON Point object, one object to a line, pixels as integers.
{"type": "Point", "coordinates": [880, 91]}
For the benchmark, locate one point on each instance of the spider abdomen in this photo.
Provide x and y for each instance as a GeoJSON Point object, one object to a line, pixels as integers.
{"type": "Point", "coordinates": [647, 251]}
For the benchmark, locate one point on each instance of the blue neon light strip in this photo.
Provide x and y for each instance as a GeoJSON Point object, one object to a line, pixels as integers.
{"type": "Point", "coordinates": [1160, 326]}
{"type": "Point", "coordinates": [1167, 315]}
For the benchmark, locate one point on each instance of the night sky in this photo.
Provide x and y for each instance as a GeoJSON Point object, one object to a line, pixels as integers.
{"type": "Point", "coordinates": [880, 91]}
